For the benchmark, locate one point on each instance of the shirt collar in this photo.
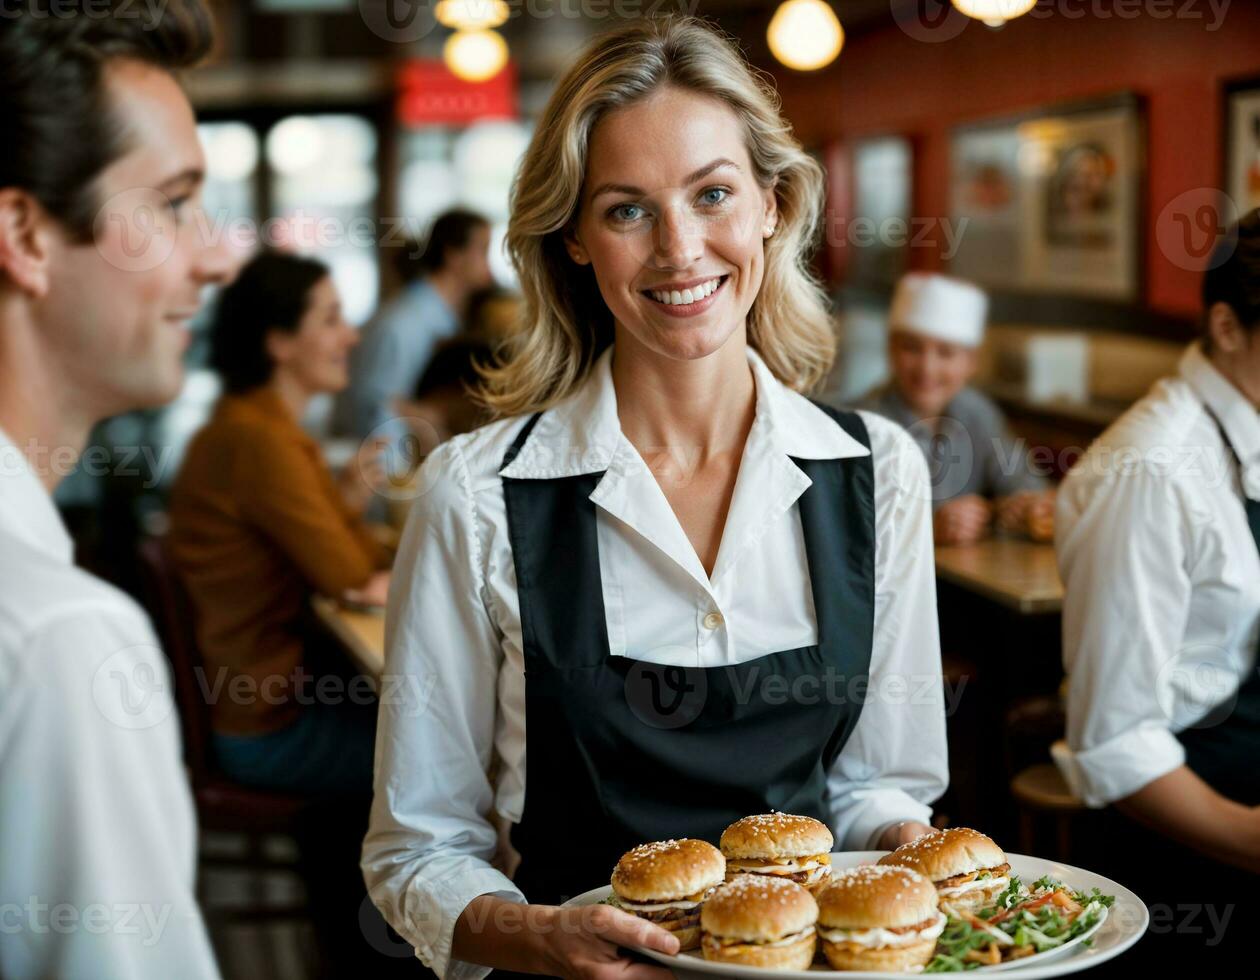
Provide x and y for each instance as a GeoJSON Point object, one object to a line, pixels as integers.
{"type": "Point", "coordinates": [582, 434]}
{"type": "Point", "coordinates": [27, 511]}
{"type": "Point", "coordinates": [1238, 417]}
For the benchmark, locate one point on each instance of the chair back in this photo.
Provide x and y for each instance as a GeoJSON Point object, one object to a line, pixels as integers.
{"type": "Point", "coordinates": [171, 609]}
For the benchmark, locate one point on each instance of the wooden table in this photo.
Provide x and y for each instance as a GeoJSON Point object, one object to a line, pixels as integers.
{"type": "Point", "coordinates": [362, 633]}
{"type": "Point", "coordinates": [1014, 572]}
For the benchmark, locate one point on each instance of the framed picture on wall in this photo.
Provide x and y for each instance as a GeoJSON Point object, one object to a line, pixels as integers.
{"type": "Point", "coordinates": [880, 232]}
{"type": "Point", "coordinates": [984, 193]}
{"type": "Point", "coordinates": [1242, 145]}
{"type": "Point", "coordinates": [1051, 202]}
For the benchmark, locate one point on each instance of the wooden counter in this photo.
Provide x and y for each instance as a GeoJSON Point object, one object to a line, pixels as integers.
{"type": "Point", "coordinates": [1014, 572]}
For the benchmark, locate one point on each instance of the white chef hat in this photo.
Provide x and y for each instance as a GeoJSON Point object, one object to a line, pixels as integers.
{"type": "Point", "coordinates": [939, 306]}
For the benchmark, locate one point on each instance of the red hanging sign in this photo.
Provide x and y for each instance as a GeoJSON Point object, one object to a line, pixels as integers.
{"type": "Point", "coordinates": [431, 94]}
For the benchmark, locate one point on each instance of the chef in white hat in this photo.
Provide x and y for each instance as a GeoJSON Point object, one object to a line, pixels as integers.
{"type": "Point", "coordinates": [936, 323]}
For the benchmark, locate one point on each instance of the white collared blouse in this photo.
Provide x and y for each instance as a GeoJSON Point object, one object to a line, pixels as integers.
{"type": "Point", "coordinates": [1161, 615]}
{"type": "Point", "coordinates": [454, 645]}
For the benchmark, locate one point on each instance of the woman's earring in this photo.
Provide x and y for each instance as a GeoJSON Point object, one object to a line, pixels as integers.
{"type": "Point", "coordinates": [769, 230]}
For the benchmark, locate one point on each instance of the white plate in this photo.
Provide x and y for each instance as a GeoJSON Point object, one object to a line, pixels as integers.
{"type": "Point", "coordinates": [1123, 926]}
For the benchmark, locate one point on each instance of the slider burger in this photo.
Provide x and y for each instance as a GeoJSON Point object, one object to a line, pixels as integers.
{"type": "Point", "coordinates": [967, 868]}
{"type": "Point", "coordinates": [759, 920]}
{"type": "Point", "coordinates": [879, 917]}
{"type": "Point", "coordinates": [666, 882]}
{"type": "Point", "coordinates": [780, 845]}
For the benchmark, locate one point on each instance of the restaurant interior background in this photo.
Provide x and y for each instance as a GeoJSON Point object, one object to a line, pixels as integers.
{"type": "Point", "coordinates": [1077, 161]}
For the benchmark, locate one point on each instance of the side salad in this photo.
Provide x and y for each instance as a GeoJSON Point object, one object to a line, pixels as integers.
{"type": "Point", "coordinates": [1022, 922]}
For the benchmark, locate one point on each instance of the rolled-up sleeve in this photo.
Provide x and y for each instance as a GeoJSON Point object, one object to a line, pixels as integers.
{"type": "Point", "coordinates": [428, 850]}
{"type": "Point", "coordinates": [895, 763]}
{"type": "Point", "coordinates": [1126, 602]}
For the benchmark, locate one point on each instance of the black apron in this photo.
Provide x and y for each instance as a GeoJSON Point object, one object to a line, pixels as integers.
{"type": "Point", "coordinates": [621, 751]}
{"type": "Point", "coordinates": [1202, 911]}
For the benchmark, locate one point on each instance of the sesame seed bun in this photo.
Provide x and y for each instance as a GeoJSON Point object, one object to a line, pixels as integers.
{"type": "Point", "coordinates": [757, 920]}
{"type": "Point", "coordinates": [776, 835]}
{"type": "Point", "coordinates": [876, 897]}
{"type": "Point", "coordinates": [782, 845]}
{"type": "Point", "coordinates": [758, 909]}
{"type": "Point", "coordinates": [947, 853]}
{"type": "Point", "coordinates": [888, 899]}
{"type": "Point", "coordinates": [668, 871]}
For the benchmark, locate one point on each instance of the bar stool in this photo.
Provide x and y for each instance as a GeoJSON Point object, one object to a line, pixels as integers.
{"type": "Point", "coordinates": [1040, 790]}
{"type": "Point", "coordinates": [1029, 727]}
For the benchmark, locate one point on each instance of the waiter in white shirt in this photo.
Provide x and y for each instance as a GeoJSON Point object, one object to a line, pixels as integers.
{"type": "Point", "coordinates": [97, 829]}
{"type": "Point", "coordinates": [1159, 548]}
{"type": "Point", "coordinates": [667, 591]}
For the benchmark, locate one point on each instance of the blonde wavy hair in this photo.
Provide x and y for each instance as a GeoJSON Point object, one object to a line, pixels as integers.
{"type": "Point", "coordinates": [565, 323]}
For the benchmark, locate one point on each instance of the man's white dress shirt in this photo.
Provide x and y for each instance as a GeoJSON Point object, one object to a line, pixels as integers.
{"type": "Point", "coordinates": [453, 632]}
{"type": "Point", "coordinates": [97, 829]}
{"type": "Point", "coordinates": [1161, 613]}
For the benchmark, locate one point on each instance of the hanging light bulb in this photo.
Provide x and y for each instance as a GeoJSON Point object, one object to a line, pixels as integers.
{"type": "Point", "coordinates": [805, 34]}
{"type": "Point", "coordinates": [995, 13]}
{"type": "Point", "coordinates": [475, 56]}
{"type": "Point", "coordinates": [471, 15]}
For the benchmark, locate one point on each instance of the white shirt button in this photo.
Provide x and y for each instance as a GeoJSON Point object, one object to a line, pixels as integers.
{"type": "Point", "coordinates": [713, 620]}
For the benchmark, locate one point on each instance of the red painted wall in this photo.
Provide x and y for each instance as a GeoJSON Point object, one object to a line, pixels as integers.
{"type": "Point", "coordinates": [888, 82]}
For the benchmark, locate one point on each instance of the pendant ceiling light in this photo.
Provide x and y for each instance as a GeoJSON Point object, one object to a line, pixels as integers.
{"type": "Point", "coordinates": [471, 15]}
{"type": "Point", "coordinates": [995, 13]}
{"type": "Point", "coordinates": [805, 34]}
{"type": "Point", "coordinates": [475, 56]}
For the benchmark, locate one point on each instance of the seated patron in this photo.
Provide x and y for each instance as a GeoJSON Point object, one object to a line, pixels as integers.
{"type": "Point", "coordinates": [978, 470]}
{"type": "Point", "coordinates": [440, 277]}
{"type": "Point", "coordinates": [259, 525]}
{"type": "Point", "coordinates": [444, 403]}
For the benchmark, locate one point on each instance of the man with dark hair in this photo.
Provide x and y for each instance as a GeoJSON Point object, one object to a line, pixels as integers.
{"type": "Point", "coordinates": [399, 341]}
{"type": "Point", "coordinates": [100, 270]}
{"type": "Point", "coordinates": [1158, 539]}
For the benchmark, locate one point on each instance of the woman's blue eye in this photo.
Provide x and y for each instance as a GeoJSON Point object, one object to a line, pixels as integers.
{"type": "Point", "coordinates": [716, 190]}
{"type": "Point", "coordinates": [618, 211]}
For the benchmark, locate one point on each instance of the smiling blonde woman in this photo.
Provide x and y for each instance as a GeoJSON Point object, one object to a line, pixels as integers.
{"type": "Point", "coordinates": [683, 590]}
{"type": "Point", "coordinates": [788, 321]}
